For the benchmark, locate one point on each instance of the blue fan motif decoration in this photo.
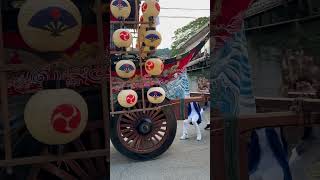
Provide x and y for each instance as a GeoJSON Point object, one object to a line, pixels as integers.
{"type": "Point", "coordinates": [53, 19]}
{"type": "Point", "coordinates": [120, 4]}
{"type": "Point", "coordinates": [155, 94]}
{"type": "Point", "coordinates": [152, 37]}
{"type": "Point", "coordinates": [126, 68]}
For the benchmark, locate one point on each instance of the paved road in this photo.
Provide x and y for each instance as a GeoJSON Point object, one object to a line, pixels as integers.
{"type": "Point", "coordinates": [184, 160]}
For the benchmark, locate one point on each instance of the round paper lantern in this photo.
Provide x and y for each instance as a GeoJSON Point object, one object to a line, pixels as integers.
{"type": "Point", "coordinates": [122, 38]}
{"type": "Point", "coordinates": [127, 98]}
{"type": "Point", "coordinates": [56, 116]}
{"type": "Point", "coordinates": [150, 8]}
{"type": "Point", "coordinates": [156, 95]}
{"type": "Point", "coordinates": [125, 68]}
{"type": "Point", "coordinates": [143, 20]}
{"type": "Point", "coordinates": [49, 25]}
{"type": "Point", "coordinates": [152, 38]}
{"type": "Point", "coordinates": [154, 66]}
{"type": "Point", "coordinates": [120, 9]}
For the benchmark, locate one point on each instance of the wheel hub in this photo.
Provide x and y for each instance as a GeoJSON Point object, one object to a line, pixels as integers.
{"type": "Point", "coordinates": [145, 126]}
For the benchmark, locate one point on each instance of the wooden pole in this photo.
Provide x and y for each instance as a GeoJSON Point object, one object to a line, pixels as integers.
{"type": "Point", "coordinates": [101, 60]}
{"type": "Point", "coordinates": [4, 98]}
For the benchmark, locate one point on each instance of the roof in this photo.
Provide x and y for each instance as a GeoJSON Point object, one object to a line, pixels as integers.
{"type": "Point", "coordinates": [195, 39]}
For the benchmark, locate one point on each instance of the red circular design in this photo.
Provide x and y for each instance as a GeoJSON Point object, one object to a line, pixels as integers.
{"type": "Point", "coordinates": [124, 35]}
{"type": "Point", "coordinates": [65, 118]}
{"type": "Point", "coordinates": [150, 65]}
{"type": "Point", "coordinates": [144, 7]}
{"type": "Point", "coordinates": [130, 99]}
{"type": "Point", "coordinates": [157, 6]}
{"type": "Point", "coordinates": [55, 13]}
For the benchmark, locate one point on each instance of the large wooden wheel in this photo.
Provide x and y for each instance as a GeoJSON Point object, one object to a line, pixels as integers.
{"type": "Point", "coordinates": [144, 135]}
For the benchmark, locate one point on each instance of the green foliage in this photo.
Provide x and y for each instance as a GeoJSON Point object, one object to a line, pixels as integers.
{"type": "Point", "coordinates": [184, 33]}
{"type": "Point", "coordinates": [163, 53]}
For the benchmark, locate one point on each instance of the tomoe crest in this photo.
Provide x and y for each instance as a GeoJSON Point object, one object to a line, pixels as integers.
{"type": "Point", "coordinates": [53, 19]}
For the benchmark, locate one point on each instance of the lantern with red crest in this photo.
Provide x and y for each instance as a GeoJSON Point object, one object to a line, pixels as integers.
{"type": "Point", "coordinates": [152, 39]}
{"type": "Point", "coordinates": [120, 9]}
{"type": "Point", "coordinates": [127, 98]}
{"type": "Point", "coordinates": [154, 66]}
{"type": "Point", "coordinates": [150, 9]}
{"type": "Point", "coordinates": [156, 95]}
{"type": "Point", "coordinates": [125, 69]}
{"type": "Point", "coordinates": [122, 38]}
{"type": "Point", "coordinates": [56, 116]}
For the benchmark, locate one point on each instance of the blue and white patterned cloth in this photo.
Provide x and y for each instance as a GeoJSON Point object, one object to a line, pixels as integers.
{"type": "Point", "coordinates": [178, 88]}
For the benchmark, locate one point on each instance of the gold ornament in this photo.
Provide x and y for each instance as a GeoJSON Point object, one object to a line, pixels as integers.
{"type": "Point", "coordinates": [56, 116]}
{"type": "Point", "coordinates": [49, 25]}
{"type": "Point", "coordinates": [120, 9]}
{"type": "Point", "coordinates": [156, 95]}
{"type": "Point", "coordinates": [125, 69]}
{"type": "Point", "coordinates": [122, 38]}
{"type": "Point", "coordinates": [152, 38]}
{"type": "Point", "coordinates": [154, 66]}
{"type": "Point", "coordinates": [127, 98]}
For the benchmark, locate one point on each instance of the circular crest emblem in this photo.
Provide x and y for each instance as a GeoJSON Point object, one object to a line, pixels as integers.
{"type": "Point", "coordinates": [49, 25]}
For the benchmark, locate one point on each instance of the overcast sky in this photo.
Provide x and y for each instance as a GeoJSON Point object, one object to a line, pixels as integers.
{"type": "Point", "coordinates": [169, 25]}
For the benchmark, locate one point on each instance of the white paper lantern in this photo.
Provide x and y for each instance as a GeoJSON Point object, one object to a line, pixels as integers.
{"type": "Point", "coordinates": [156, 95]}
{"type": "Point", "coordinates": [143, 20]}
{"type": "Point", "coordinates": [56, 116]}
{"type": "Point", "coordinates": [152, 38]}
{"type": "Point", "coordinates": [120, 9]}
{"type": "Point", "coordinates": [122, 38]}
{"type": "Point", "coordinates": [49, 25]}
{"type": "Point", "coordinates": [125, 68]}
{"type": "Point", "coordinates": [154, 66]}
{"type": "Point", "coordinates": [150, 8]}
{"type": "Point", "coordinates": [127, 98]}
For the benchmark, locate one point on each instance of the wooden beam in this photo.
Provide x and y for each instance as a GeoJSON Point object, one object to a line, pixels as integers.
{"type": "Point", "coordinates": [53, 158]}
{"type": "Point", "coordinates": [104, 85]}
{"type": "Point", "coordinates": [4, 97]}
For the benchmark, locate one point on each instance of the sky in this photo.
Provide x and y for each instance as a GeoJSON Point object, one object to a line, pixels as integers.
{"type": "Point", "coordinates": [167, 26]}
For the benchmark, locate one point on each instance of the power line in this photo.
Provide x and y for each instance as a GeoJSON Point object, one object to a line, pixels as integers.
{"type": "Point", "coordinates": [188, 9]}
{"type": "Point", "coordinates": [181, 17]}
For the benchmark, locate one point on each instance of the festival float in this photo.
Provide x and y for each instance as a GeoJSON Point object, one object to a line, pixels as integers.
{"type": "Point", "coordinates": [74, 73]}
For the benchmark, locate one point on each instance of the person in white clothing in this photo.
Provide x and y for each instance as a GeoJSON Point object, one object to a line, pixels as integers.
{"type": "Point", "coordinates": [195, 117]}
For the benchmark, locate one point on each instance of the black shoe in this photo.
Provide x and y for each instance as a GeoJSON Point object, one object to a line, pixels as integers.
{"type": "Point", "coordinates": [207, 127]}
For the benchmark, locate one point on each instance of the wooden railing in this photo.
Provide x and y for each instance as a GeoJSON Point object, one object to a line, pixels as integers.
{"type": "Point", "coordinates": [294, 112]}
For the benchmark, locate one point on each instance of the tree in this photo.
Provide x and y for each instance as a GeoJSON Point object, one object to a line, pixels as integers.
{"type": "Point", "coordinates": [184, 33]}
{"type": "Point", "coordinates": [163, 53]}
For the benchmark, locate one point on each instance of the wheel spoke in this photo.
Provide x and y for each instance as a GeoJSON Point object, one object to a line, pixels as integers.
{"type": "Point", "coordinates": [126, 125]}
{"type": "Point", "coordinates": [159, 117]}
{"type": "Point", "coordinates": [133, 144]}
{"type": "Point", "coordinates": [128, 115]}
{"type": "Point", "coordinates": [156, 113]}
{"type": "Point", "coordinates": [126, 121]}
{"type": "Point", "coordinates": [127, 135]}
